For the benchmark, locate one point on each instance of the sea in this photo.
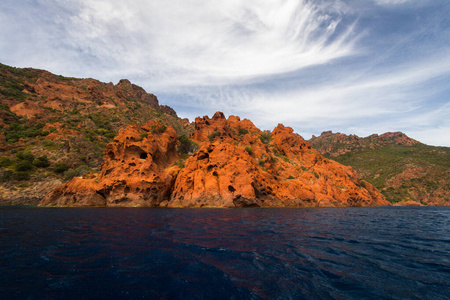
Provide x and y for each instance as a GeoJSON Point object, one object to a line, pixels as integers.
{"type": "Point", "coordinates": [251, 253]}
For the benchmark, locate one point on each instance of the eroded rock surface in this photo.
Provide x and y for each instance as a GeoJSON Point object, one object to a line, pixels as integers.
{"type": "Point", "coordinates": [236, 165]}
{"type": "Point", "coordinates": [136, 171]}
{"type": "Point", "coordinates": [239, 165]}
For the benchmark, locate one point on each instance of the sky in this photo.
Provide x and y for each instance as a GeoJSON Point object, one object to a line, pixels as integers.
{"type": "Point", "coordinates": [350, 66]}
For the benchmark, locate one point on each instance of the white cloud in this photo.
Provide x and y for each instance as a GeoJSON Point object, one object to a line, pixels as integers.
{"type": "Point", "coordinates": [199, 42]}
{"type": "Point", "coordinates": [390, 2]}
{"type": "Point", "coordinates": [365, 104]}
{"type": "Point", "coordinates": [344, 98]}
{"type": "Point", "coordinates": [309, 64]}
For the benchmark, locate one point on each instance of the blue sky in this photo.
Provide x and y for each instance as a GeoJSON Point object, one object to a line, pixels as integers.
{"type": "Point", "coordinates": [356, 67]}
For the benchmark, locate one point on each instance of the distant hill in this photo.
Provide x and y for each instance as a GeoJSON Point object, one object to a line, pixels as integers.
{"type": "Point", "coordinates": [405, 170]}
{"type": "Point", "coordinates": [53, 128]}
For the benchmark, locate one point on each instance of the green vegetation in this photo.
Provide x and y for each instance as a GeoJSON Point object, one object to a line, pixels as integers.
{"type": "Point", "coordinates": [23, 166]}
{"type": "Point", "coordinates": [388, 161]}
{"type": "Point", "coordinates": [27, 155]}
{"type": "Point", "coordinates": [186, 145]}
{"type": "Point", "coordinates": [158, 129]}
{"type": "Point", "coordinates": [18, 130]}
{"type": "Point", "coordinates": [23, 185]}
{"type": "Point", "coordinates": [60, 167]}
{"type": "Point", "coordinates": [77, 172]}
{"type": "Point", "coordinates": [243, 131]}
{"type": "Point", "coordinates": [19, 169]}
{"type": "Point", "coordinates": [265, 137]}
{"type": "Point", "coordinates": [144, 135]}
{"type": "Point", "coordinates": [249, 150]}
{"type": "Point", "coordinates": [12, 82]}
{"type": "Point", "coordinates": [378, 166]}
{"type": "Point", "coordinates": [213, 136]}
{"type": "Point", "coordinates": [261, 163]}
{"type": "Point", "coordinates": [179, 164]}
{"type": "Point", "coordinates": [21, 176]}
{"type": "Point", "coordinates": [50, 145]}
{"type": "Point", "coordinates": [5, 162]}
{"type": "Point", "coordinates": [103, 124]}
{"type": "Point", "coordinates": [41, 162]}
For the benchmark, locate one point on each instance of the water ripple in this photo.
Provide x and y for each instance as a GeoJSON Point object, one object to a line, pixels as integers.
{"type": "Point", "coordinates": [341, 253]}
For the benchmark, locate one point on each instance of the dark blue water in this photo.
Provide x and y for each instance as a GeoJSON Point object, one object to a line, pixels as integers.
{"type": "Point", "coordinates": [336, 253]}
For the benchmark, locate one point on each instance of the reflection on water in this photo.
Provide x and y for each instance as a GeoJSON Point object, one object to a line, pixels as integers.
{"type": "Point", "coordinates": [337, 253]}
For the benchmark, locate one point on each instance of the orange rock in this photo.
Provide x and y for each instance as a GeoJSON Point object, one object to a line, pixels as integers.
{"type": "Point", "coordinates": [61, 133]}
{"type": "Point", "coordinates": [233, 167]}
{"type": "Point", "coordinates": [136, 171]}
{"type": "Point", "coordinates": [237, 165]}
{"type": "Point", "coordinates": [77, 192]}
{"type": "Point", "coordinates": [27, 109]}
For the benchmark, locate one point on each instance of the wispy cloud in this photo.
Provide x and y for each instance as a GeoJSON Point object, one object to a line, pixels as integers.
{"type": "Point", "coordinates": [313, 65]}
{"type": "Point", "coordinates": [360, 102]}
{"type": "Point", "coordinates": [177, 44]}
{"type": "Point", "coordinates": [390, 2]}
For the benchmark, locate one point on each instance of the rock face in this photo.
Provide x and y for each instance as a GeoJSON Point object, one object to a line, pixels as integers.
{"type": "Point", "coordinates": [136, 171]}
{"type": "Point", "coordinates": [239, 165]}
{"type": "Point", "coordinates": [236, 165]}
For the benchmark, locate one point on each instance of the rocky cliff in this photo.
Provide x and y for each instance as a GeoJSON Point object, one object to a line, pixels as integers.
{"type": "Point", "coordinates": [236, 165]}
{"type": "Point", "coordinates": [137, 170]}
{"type": "Point", "coordinates": [53, 128]}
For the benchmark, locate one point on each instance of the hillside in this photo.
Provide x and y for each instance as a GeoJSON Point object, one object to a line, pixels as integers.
{"type": "Point", "coordinates": [405, 170]}
{"type": "Point", "coordinates": [53, 128]}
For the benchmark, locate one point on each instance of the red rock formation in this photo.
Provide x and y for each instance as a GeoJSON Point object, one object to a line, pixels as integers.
{"type": "Point", "coordinates": [77, 192]}
{"type": "Point", "coordinates": [27, 109]}
{"type": "Point", "coordinates": [136, 171]}
{"type": "Point", "coordinates": [60, 132]}
{"type": "Point", "coordinates": [232, 169]}
{"type": "Point", "coordinates": [237, 165]}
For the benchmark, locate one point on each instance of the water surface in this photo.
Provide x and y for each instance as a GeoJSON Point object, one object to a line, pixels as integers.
{"type": "Point", "coordinates": [327, 253]}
